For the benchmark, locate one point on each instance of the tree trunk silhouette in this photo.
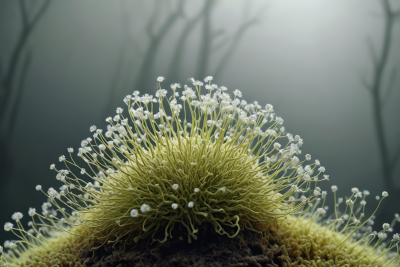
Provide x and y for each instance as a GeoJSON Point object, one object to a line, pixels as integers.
{"type": "Point", "coordinates": [12, 87]}
{"type": "Point", "coordinates": [241, 30]}
{"type": "Point", "coordinates": [176, 61]}
{"type": "Point", "coordinates": [205, 43]}
{"type": "Point", "coordinates": [27, 28]}
{"type": "Point", "coordinates": [376, 88]}
{"type": "Point", "coordinates": [142, 80]}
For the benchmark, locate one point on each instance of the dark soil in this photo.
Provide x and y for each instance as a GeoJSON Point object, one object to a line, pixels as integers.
{"type": "Point", "coordinates": [211, 249]}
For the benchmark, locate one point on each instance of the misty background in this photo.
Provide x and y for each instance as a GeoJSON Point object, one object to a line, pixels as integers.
{"type": "Point", "coordinates": [330, 68]}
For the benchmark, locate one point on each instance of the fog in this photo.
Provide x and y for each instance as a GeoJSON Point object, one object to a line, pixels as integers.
{"type": "Point", "coordinates": [311, 59]}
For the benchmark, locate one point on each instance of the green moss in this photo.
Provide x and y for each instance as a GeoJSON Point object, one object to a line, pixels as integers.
{"type": "Point", "coordinates": [221, 161]}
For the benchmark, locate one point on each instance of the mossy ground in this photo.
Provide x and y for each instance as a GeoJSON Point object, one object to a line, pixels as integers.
{"type": "Point", "coordinates": [291, 242]}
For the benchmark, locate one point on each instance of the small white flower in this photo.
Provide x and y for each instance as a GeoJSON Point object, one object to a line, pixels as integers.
{"type": "Point", "coordinates": [174, 206]}
{"type": "Point", "coordinates": [119, 110]}
{"type": "Point", "coordinates": [354, 190]}
{"type": "Point", "coordinates": [316, 192]}
{"type": "Point", "coordinates": [38, 187]}
{"type": "Point", "coordinates": [70, 150]}
{"type": "Point", "coordinates": [269, 108]}
{"type": "Point", "coordinates": [32, 212]}
{"type": "Point", "coordinates": [92, 128]}
{"type": "Point", "coordinates": [134, 213]}
{"type": "Point", "coordinates": [334, 188]}
{"type": "Point", "coordinates": [84, 143]}
{"type": "Point", "coordinates": [160, 79]}
{"type": "Point", "coordinates": [385, 227]}
{"type": "Point", "coordinates": [61, 158]}
{"type": "Point", "coordinates": [82, 171]}
{"type": "Point", "coordinates": [191, 204]}
{"type": "Point", "coordinates": [102, 147]}
{"type": "Point", "coordinates": [396, 238]}
{"type": "Point", "coordinates": [161, 93]}
{"type": "Point", "coordinates": [237, 93]}
{"type": "Point", "coordinates": [196, 190]}
{"type": "Point", "coordinates": [279, 120]}
{"type": "Point", "coordinates": [382, 236]}
{"type": "Point", "coordinates": [321, 169]}
{"type": "Point", "coordinates": [145, 208]}
{"type": "Point", "coordinates": [52, 166]}
{"type": "Point", "coordinates": [385, 194]}
{"type": "Point", "coordinates": [321, 211]}
{"type": "Point", "coordinates": [17, 216]}
{"type": "Point", "coordinates": [208, 78]}
{"type": "Point", "coordinates": [308, 157]}
{"type": "Point", "coordinates": [366, 193]}
{"type": "Point", "coordinates": [317, 162]}
{"type": "Point", "coordinates": [52, 192]}
{"type": "Point", "coordinates": [175, 186]}
{"type": "Point", "coordinates": [277, 145]}
{"type": "Point", "coordinates": [223, 189]}
{"type": "Point", "coordinates": [363, 202]}
{"type": "Point", "coordinates": [116, 118]}
{"type": "Point", "coordinates": [8, 226]}
{"type": "Point", "coordinates": [349, 202]}
{"type": "Point", "coordinates": [175, 85]}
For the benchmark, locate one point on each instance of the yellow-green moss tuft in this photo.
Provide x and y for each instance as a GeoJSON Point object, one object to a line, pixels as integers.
{"type": "Point", "coordinates": [221, 161]}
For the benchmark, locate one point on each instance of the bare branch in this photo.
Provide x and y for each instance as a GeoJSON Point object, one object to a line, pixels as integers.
{"type": "Point", "coordinates": [24, 14]}
{"type": "Point", "coordinates": [19, 92]}
{"type": "Point", "coordinates": [365, 84]}
{"type": "Point", "coordinates": [221, 44]}
{"type": "Point", "coordinates": [153, 19]}
{"type": "Point", "coordinates": [1, 71]}
{"type": "Point", "coordinates": [390, 87]}
{"type": "Point", "coordinates": [124, 65]}
{"type": "Point", "coordinates": [205, 43]}
{"type": "Point", "coordinates": [396, 157]}
{"type": "Point", "coordinates": [155, 42]}
{"type": "Point", "coordinates": [39, 14]}
{"type": "Point", "coordinates": [396, 14]}
{"type": "Point", "coordinates": [372, 51]}
{"type": "Point", "coordinates": [8, 79]}
{"type": "Point", "coordinates": [178, 53]}
{"type": "Point", "coordinates": [376, 88]}
{"type": "Point", "coordinates": [233, 45]}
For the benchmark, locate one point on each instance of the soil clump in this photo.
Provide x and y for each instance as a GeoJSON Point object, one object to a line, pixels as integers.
{"type": "Point", "coordinates": [209, 250]}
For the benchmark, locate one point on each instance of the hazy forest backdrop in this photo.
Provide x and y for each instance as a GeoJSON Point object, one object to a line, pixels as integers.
{"type": "Point", "coordinates": [331, 68]}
